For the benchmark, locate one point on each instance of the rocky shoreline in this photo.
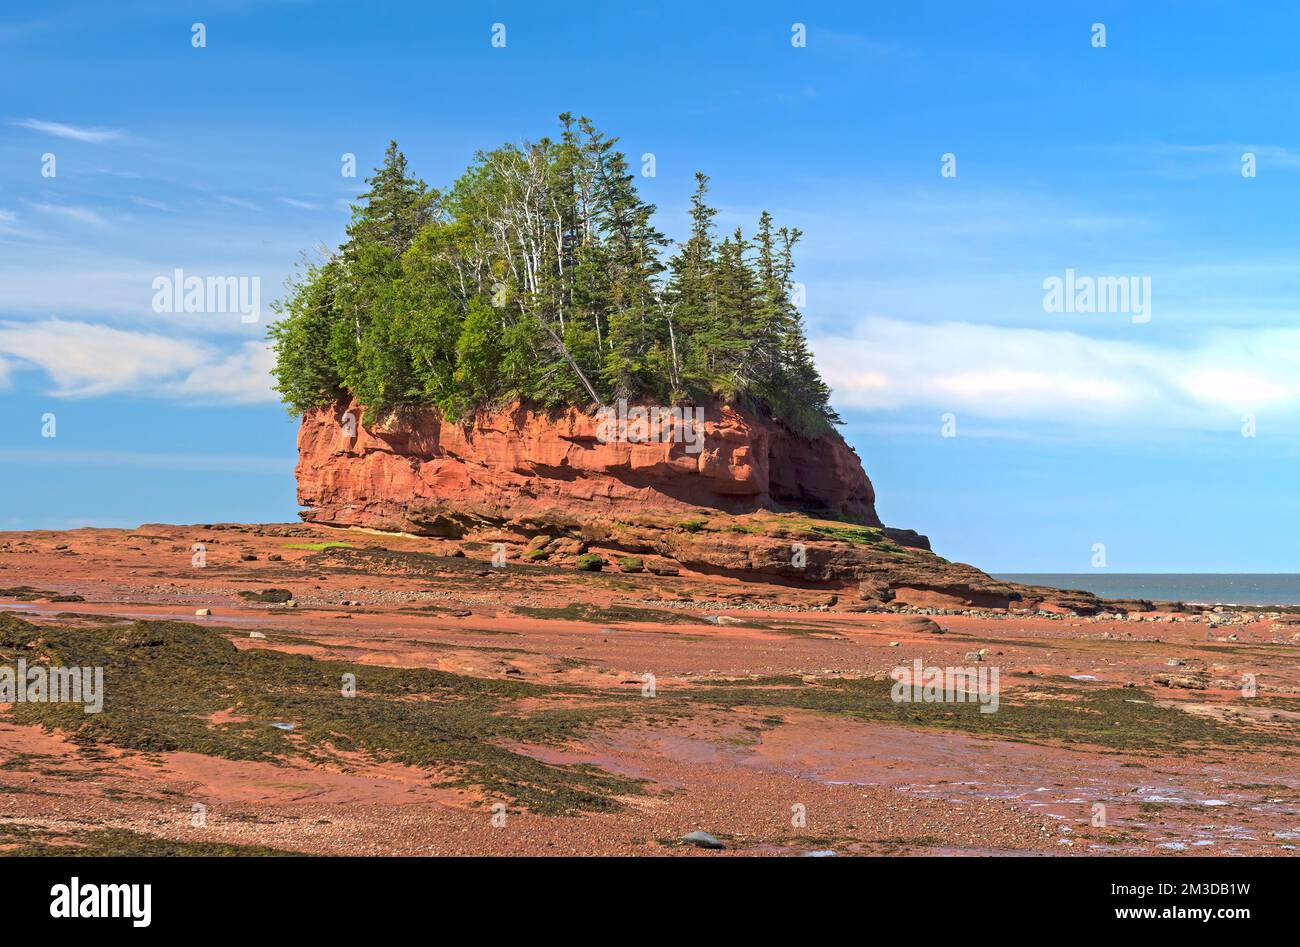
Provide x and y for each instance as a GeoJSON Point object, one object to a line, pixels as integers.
{"type": "Point", "coordinates": [526, 684]}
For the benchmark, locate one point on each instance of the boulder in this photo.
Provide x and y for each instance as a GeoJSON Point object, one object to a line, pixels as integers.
{"type": "Point", "coordinates": [918, 624]}
{"type": "Point", "coordinates": [702, 840]}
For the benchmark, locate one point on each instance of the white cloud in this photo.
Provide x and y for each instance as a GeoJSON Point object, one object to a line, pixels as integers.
{"type": "Point", "coordinates": [150, 203]}
{"type": "Point", "coordinates": [237, 202]}
{"type": "Point", "coordinates": [8, 220]}
{"type": "Point", "coordinates": [72, 132]}
{"type": "Point", "coordinates": [83, 359]}
{"type": "Point", "coordinates": [863, 48]}
{"type": "Point", "coordinates": [82, 282]}
{"type": "Point", "coordinates": [82, 215]}
{"type": "Point", "coordinates": [1193, 160]}
{"type": "Point", "coordinates": [86, 360]}
{"type": "Point", "coordinates": [242, 377]}
{"type": "Point", "coordinates": [1031, 374]}
{"type": "Point", "coordinates": [302, 205]}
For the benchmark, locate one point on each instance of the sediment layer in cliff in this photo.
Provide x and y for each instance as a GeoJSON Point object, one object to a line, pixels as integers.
{"type": "Point", "coordinates": [755, 501]}
{"type": "Point", "coordinates": [418, 472]}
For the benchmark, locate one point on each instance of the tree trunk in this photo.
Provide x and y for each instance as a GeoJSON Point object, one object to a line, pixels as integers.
{"type": "Point", "coordinates": [564, 350]}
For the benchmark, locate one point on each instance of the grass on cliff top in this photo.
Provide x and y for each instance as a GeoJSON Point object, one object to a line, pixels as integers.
{"type": "Point", "coordinates": [794, 526]}
{"type": "Point", "coordinates": [163, 680]}
{"type": "Point", "coordinates": [873, 536]}
{"type": "Point", "coordinates": [317, 547]}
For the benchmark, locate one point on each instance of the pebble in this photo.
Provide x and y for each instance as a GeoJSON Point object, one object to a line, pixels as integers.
{"type": "Point", "coordinates": [702, 840]}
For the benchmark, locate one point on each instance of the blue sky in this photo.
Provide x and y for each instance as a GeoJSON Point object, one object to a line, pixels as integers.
{"type": "Point", "coordinates": [924, 293]}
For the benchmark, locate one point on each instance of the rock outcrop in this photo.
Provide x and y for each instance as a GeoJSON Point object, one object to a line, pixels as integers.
{"type": "Point", "coordinates": [417, 472]}
{"type": "Point", "coordinates": [755, 502]}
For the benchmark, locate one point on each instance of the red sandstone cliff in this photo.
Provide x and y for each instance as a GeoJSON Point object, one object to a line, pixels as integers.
{"type": "Point", "coordinates": [417, 472]}
{"type": "Point", "coordinates": [547, 484]}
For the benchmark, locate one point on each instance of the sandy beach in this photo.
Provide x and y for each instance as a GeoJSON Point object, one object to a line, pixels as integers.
{"type": "Point", "coordinates": [609, 713]}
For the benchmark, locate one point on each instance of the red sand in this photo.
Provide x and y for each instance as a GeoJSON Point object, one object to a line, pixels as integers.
{"type": "Point", "coordinates": [866, 787]}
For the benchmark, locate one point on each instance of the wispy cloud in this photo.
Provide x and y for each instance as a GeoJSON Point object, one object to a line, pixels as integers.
{"type": "Point", "coordinates": [71, 132]}
{"type": "Point", "coordinates": [83, 282]}
{"type": "Point", "coordinates": [1175, 160]}
{"type": "Point", "coordinates": [14, 232]}
{"type": "Point", "coordinates": [862, 46]}
{"type": "Point", "coordinates": [237, 202]}
{"type": "Point", "coordinates": [304, 205]}
{"type": "Point", "coordinates": [1207, 382]}
{"type": "Point", "coordinates": [243, 377]}
{"type": "Point", "coordinates": [84, 359]}
{"type": "Point", "coordinates": [87, 360]}
{"type": "Point", "coordinates": [150, 203]}
{"type": "Point", "coordinates": [82, 215]}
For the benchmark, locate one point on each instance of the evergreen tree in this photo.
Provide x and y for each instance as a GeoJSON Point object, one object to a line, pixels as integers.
{"type": "Point", "coordinates": [395, 209]}
{"type": "Point", "coordinates": [539, 275]}
{"type": "Point", "coordinates": [629, 261]}
{"type": "Point", "coordinates": [690, 295]}
{"type": "Point", "coordinates": [305, 373]}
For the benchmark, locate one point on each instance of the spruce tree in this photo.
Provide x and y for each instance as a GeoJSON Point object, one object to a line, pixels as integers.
{"type": "Point", "coordinates": [630, 262]}
{"type": "Point", "coordinates": [395, 209]}
{"type": "Point", "coordinates": [690, 294]}
{"type": "Point", "coordinates": [540, 276]}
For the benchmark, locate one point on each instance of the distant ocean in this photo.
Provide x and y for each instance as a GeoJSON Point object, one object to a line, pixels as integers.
{"type": "Point", "coordinates": [1231, 588]}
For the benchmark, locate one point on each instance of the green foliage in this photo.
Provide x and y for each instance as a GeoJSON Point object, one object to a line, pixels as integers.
{"type": "Point", "coordinates": [539, 275]}
{"type": "Point", "coordinates": [589, 562]}
{"type": "Point", "coordinates": [305, 372]}
{"type": "Point", "coordinates": [395, 209]}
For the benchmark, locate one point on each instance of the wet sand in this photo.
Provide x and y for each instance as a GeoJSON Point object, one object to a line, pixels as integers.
{"type": "Point", "coordinates": [764, 778]}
